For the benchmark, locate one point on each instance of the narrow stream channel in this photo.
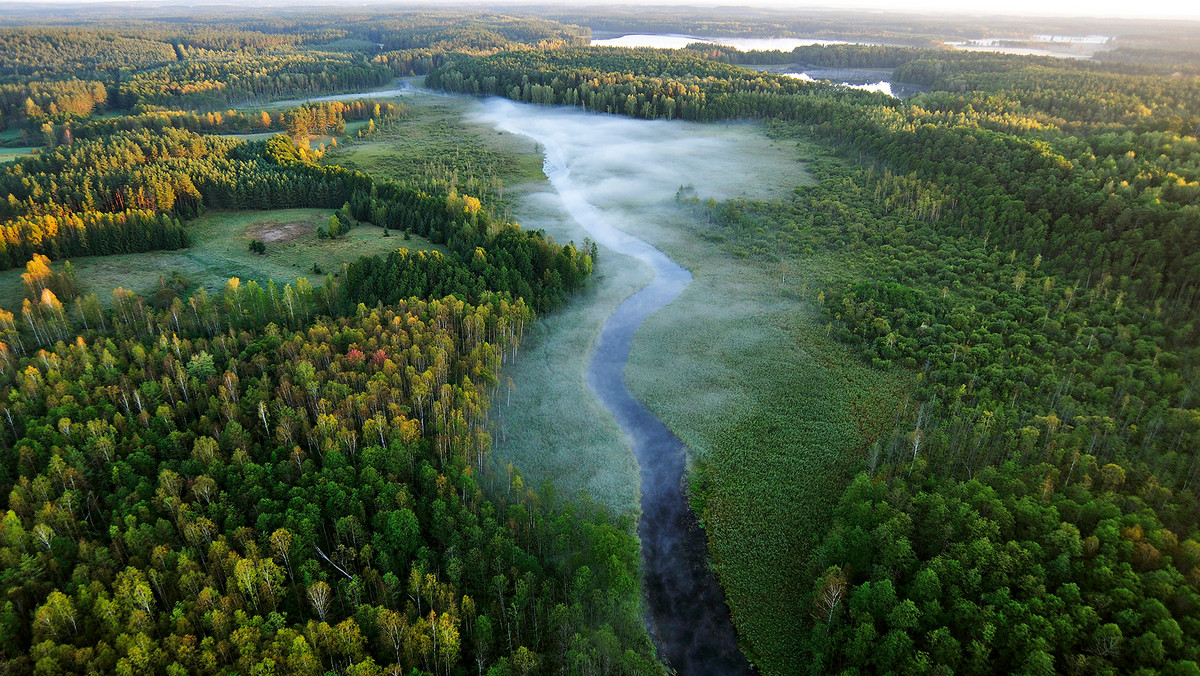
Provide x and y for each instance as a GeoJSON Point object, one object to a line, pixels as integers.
{"type": "Point", "coordinates": [688, 618]}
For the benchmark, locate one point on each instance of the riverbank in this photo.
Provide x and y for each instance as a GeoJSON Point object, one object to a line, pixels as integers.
{"type": "Point", "coordinates": [737, 366]}
{"type": "Point", "coordinates": [777, 414]}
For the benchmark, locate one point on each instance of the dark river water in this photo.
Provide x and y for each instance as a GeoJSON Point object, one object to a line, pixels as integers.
{"type": "Point", "coordinates": [688, 616]}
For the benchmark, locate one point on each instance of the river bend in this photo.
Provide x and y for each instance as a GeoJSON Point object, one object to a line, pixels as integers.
{"type": "Point", "coordinates": [687, 614]}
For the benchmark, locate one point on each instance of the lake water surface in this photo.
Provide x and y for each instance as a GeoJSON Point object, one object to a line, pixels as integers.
{"type": "Point", "coordinates": [740, 43]}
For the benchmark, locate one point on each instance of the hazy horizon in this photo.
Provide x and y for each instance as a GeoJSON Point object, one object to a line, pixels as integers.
{"type": "Point", "coordinates": [1101, 9]}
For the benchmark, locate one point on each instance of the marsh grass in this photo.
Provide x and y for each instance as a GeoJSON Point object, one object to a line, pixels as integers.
{"type": "Point", "coordinates": [220, 250]}
{"type": "Point", "coordinates": [433, 148]}
{"type": "Point", "coordinates": [775, 412]}
{"type": "Point", "coordinates": [555, 429]}
{"type": "Point", "coordinates": [776, 415]}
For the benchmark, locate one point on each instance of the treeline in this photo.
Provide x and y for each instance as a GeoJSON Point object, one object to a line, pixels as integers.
{"type": "Point", "coordinates": [330, 117]}
{"type": "Point", "coordinates": [107, 47]}
{"type": "Point", "coordinates": [515, 263]}
{"type": "Point", "coordinates": [179, 173]}
{"type": "Point", "coordinates": [1077, 97]}
{"type": "Point", "coordinates": [444, 162]}
{"type": "Point", "coordinates": [1052, 435]}
{"type": "Point", "coordinates": [1034, 508]}
{"type": "Point", "coordinates": [203, 498]}
{"type": "Point", "coordinates": [1041, 477]}
{"type": "Point", "coordinates": [824, 56]}
{"type": "Point", "coordinates": [126, 170]}
{"type": "Point", "coordinates": [214, 84]}
{"type": "Point", "coordinates": [645, 83]}
{"type": "Point", "coordinates": [898, 28]}
{"type": "Point", "coordinates": [1168, 60]}
{"type": "Point", "coordinates": [499, 255]}
{"type": "Point", "coordinates": [418, 44]}
{"type": "Point", "coordinates": [88, 233]}
{"type": "Point", "coordinates": [993, 330]}
{"type": "Point", "coordinates": [171, 171]}
{"type": "Point", "coordinates": [37, 101]}
{"type": "Point", "coordinates": [53, 74]}
{"type": "Point", "coordinates": [1045, 189]}
{"type": "Point", "coordinates": [472, 34]}
{"type": "Point", "coordinates": [38, 53]}
{"type": "Point", "coordinates": [319, 118]}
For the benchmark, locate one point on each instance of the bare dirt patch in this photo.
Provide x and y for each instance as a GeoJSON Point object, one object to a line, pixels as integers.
{"type": "Point", "coordinates": [280, 232]}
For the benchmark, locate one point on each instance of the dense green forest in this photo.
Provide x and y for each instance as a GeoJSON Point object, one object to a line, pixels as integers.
{"type": "Point", "coordinates": [285, 477]}
{"type": "Point", "coordinates": [1023, 236]}
{"type": "Point", "coordinates": [294, 476]}
{"type": "Point", "coordinates": [213, 489]}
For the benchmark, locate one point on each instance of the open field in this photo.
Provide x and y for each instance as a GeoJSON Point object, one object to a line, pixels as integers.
{"type": "Point", "coordinates": [220, 251]}
{"type": "Point", "coordinates": [11, 154]}
{"type": "Point", "coordinates": [10, 136]}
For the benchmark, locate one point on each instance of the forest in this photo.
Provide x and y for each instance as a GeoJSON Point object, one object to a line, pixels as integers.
{"type": "Point", "coordinates": [1030, 226]}
{"type": "Point", "coordinates": [285, 477]}
{"type": "Point", "coordinates": [295, 476]}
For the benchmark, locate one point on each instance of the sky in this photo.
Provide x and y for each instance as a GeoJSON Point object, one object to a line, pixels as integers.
{"type": "Point", "coordinates": [1157, 9]}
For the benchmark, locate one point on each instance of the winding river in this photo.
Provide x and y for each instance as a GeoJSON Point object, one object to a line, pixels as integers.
{"type": "Point", "coordinates": [688, 618]}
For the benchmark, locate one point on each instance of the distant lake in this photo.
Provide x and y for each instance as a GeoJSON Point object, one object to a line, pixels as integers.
{"type": "Point", "coordinates": [742, 44]}
{"type": "Point", "coordinates": [868, 79]}
{"type": "Point", "coordinates": [882, 86]}
{"type": "Point", "coordinates": [1060, 46]}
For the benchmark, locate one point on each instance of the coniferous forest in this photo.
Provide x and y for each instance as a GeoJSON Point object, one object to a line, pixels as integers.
{"type": "Point", "coordinates": [298, 475]}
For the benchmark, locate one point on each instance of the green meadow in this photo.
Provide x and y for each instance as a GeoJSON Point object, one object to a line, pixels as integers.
{"type": "Point", "coordinates": [220, 250]}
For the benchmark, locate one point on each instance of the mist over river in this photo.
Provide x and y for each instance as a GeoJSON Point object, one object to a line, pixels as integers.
{"type": "Point", "coordinates": [612, 174]}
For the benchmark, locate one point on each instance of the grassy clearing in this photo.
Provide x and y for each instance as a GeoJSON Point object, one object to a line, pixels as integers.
{"type": "Point", "coordinates": [221, 251]}
{"type": "Point", "coordinates": [776, 413]}
{"type": "Point", "coordinates": [313, 141]}
{"type": "Point", "coordinates": [13, 154]}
